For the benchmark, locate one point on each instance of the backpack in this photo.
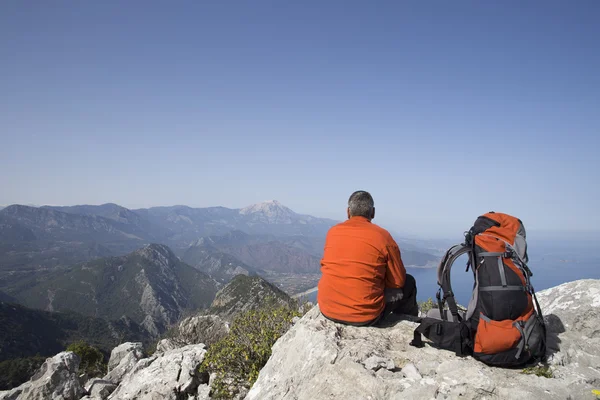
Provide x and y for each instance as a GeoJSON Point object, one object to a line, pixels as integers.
{"type": "Point", "coordinates": [503, 324]}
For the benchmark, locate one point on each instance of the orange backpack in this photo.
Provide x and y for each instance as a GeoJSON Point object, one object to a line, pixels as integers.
{"type": "Point", "coordinates": [503, 323]}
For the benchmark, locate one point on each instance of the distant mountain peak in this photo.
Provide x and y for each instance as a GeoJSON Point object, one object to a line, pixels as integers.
{"type": "Point", "coordinates": [270, 211]}
{"type": "Point", "coordinates": [203, 241]}
{"type": "Point", "coordinates": [14, 207]}
{"type": "Point", "coordinates": [265, 206]}
{"type": "Point", "coordinates": [157, 253]}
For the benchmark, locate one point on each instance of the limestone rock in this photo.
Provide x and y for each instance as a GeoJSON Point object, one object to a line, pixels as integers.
{"type": "Point", "coordinates": [572, 315]}
{"type": "Point", "coordinates": [122, 351]}
{"type": "Point", "coordinates": [375, 363]}
{"type": "Point", "coordinates": [56, 379]}
{"type": "Point", "coordinates": [168, 375]}
{"type": "Point", "coordinates": [99, 389]}
{"type": "Point", "coordinates": [122, 359]}
{"type": "Point", "coordinates": [319, 359]}
{"type": "Point", "coordinates": [165, 345]}
{"type": "Point", "coordinates": [411, 372]}
{"type": "Point", "coordinates": [206, 329]}
{"type": "Point", "coordinates": [203, 392]}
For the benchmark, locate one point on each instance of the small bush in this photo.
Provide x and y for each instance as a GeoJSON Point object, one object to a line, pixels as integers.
{"type": "Point", "coordinates": [543, 371]}
{"type": "Point", "coordinates": [427, 305]}
{"type": "Point", "coordinates": [238, 357]}
{"type": "Point", "coordinates": [92, 359]}
{"type": "Point", "coordinates": [17, 371]}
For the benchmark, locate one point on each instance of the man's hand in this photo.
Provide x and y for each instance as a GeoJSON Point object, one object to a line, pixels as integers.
{"type": "Point", "coordinates": [393, 295]}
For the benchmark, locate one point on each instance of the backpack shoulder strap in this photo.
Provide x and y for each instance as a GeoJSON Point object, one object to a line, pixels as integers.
{"type": "Point", "coordinates": [451, 335]}
{"type": "Point", "coordinates": [444, 277]}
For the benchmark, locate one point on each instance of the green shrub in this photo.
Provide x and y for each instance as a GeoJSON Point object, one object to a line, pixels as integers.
{"type": "Point", "coordinates": [92, 359]}
{"type": "Point", "coordinates": [238, 357]}
{"type": "Point", "coordinates": [543, 371]}
{"type": "Point", "coordinates": [17, 371]}
{"type": "Point", "coordinates": [427, 305]}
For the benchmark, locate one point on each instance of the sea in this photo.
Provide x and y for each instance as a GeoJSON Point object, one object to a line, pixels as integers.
{"type": "Point", "coordinates": [552, 262]}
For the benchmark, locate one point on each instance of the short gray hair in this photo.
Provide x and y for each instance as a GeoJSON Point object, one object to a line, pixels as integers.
{"type": "Point", "coordinates": [361, 204]}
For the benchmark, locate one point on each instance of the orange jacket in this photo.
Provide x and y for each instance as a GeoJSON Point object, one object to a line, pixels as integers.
{"type": "Point", "coordinates": [360, 260]}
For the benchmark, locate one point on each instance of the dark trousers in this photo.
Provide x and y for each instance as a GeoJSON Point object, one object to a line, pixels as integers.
{"type": "Point", "coordinates": [407, 304]}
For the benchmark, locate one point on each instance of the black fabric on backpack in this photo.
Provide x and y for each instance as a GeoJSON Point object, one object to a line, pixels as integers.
{"type": "Point", "coordinates": [446, 335]}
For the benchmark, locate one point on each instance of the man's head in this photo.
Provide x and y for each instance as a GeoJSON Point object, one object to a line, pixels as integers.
{"type": "Point", "coordinates": [361, 204]}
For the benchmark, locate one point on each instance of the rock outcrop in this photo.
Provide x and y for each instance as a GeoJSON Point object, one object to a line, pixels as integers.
{"type": "Point", "coordinates": [319, 359]}
{"type": "Point", "coordinates": [99, 389]}
{"type": "Point", "coordinates": [245, 293]}
{"type": "Point", "coordinates": [206, 329]}
{"type": "Point", "coordinates": [165, 345]}
{"type": "Point", "coordinates": [122, 360]}
{"type": "Point", "coordinates": [57, 378]}
{"type": "Point", "coordinates": [572, 313]}
{"type": "Point", "coordinates": [167, 376]}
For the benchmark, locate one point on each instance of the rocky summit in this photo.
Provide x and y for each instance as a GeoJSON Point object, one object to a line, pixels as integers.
{"type": "Point", "coordinates": [57, 378]}
{"type": "Point", "coordinates": [319, 359]}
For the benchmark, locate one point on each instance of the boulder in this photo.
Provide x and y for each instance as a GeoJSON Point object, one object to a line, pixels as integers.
{"type": "Point", "coordinates": [122, 359]}
{"type": "Point", "coordinates": [99, 389]}
{"type": "Point", "coordinates": [165, 345]}
{"type": "Point", "coordinates": [170, 375]}
{"type": "Point", "coordinates": [572, 315]}
{"type": "Point", "coordinates": [320, 359]}
{"type": "Point", "coordinates": [203, 392]}
{"type": "Point", "coordinates": [206, 329]}
{"type": "Point", "coordinates": [57, 378]}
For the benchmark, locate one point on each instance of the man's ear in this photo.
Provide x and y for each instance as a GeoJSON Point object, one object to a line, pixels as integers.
{"type": "Point", "coordinates": [348, 212]}
{"type": "Point", "coordinates": [373, 213]}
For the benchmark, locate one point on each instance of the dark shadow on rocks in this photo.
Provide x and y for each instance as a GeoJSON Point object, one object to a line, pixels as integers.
{"type": "Point", "coordinates": [554, 327]}
{"type": "Point", "coordinates": [392, 319]}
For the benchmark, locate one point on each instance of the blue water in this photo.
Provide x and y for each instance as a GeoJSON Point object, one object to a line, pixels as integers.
{"type": "Point", "coordinates": [551, 265]}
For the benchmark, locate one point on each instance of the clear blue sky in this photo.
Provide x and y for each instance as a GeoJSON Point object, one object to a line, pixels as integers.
{"type": "Point", "coordinates": [443, 110]}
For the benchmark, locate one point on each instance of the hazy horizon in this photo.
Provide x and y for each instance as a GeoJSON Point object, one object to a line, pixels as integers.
{"type": "Point", "coordinates": [591, 235]}
{"type": "Point", "coordinates": [443, 113]}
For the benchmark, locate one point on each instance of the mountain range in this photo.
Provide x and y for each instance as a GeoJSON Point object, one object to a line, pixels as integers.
{"type": "Point", "coordinates": [263, 252]}
{"type": "Point", "coordinates": [219, 265]}
{"type": "Point", "coordinates": [154, 265]}
{"type": "Point", "coordinates": [51, 236]}
{"type": "Point", "coordinates": [151, 286]}
{"type": "Point", "coordinates": [120, 230]}
{"type": "Point", "coordinates": [180, 224]}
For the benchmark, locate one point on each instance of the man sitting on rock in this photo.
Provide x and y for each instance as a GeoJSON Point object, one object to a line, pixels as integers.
{"type": "Point", "coordinates": [363, 277]}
